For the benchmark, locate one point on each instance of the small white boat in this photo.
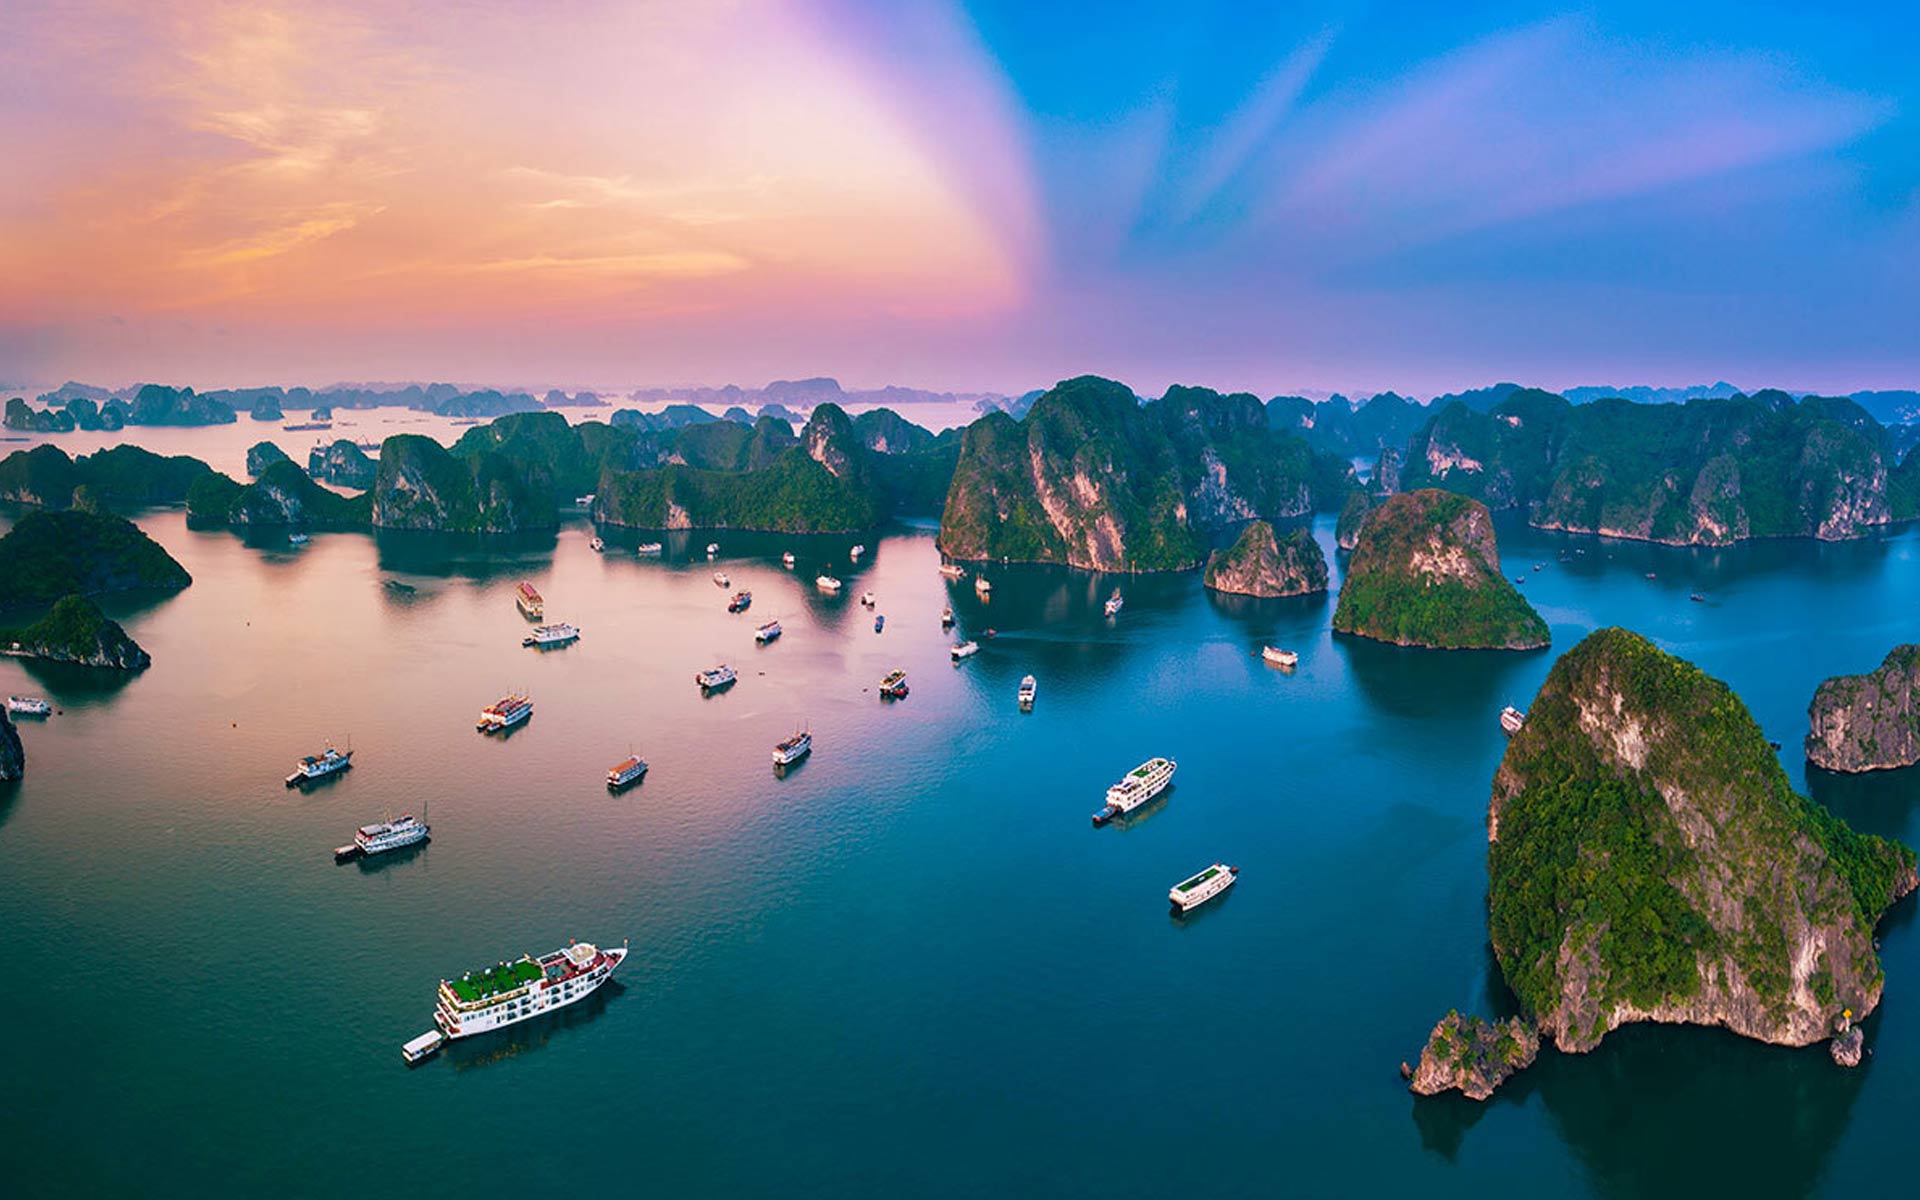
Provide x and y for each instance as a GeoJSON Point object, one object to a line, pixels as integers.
{"type": "Point", "coordinates": [28, 706]}
{"type": "Point", "coordinates": [767, 632]}
{"type": "Point", "coordinates": [720, 577]}
{"type": "Point", "coordinates": [946, 617]}
{"type": "Point", "coordinates": [867, 599]}
{"type": "Point", "coordinates": [713, 548]}
{"type": "Point", "coordinates": [1114, 603]}
{"type": "Point", "coordinates": [981, 585]}
{"type": "Point", "coordinates": [1512, 720]}
{"type": "Point", "coordinates": [793, 749]}
{"type": "Point", "coordinates": [1190, 894]}
{"type": "Point", "coordinates": [552, 635]}
{"type": "Point", "coordinates": [1028, 687]}
{"type": "Point", "coordinates": [827, 583]}
{"type": "Point", "coordinates": [316, 766]}
{"type": "Point", "coordinates": [649, 549]}
{"type": "Point", "coordinates": [422, 1048]}
{"type": "Point", "coordinates": [715, 677]}
{"type": "Point", "coordinates": [504, 713]}
{"type": "Point", "coordinates": [297, 539]}
{"type": "Point", "coordinates": [585, 501]}
{"type": "Point", "coordinates": [787, 559]}
{"type": "Point", "coordinates": [965, 650]}
{"type": "Point", "coordinates": [398, 834]}
{"type": "Point", "coordinates": [953, 570]}
{"type": "Point", "coordinates": [628, 770]}
{"type": "Point", "coordinates": [855, 553]}
{"type": "Point", "coordinates": [597, 545]}
{"type": "Point", "coordinates": [1280, 658]}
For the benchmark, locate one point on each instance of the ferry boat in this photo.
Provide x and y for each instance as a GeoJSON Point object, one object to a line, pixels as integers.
{"type": "Point", "coordinates": [981, 585]}
{"type": "Point", "coordinates": [965, 650]}
{"type": "Point", "coordinates": [854, 554]}
{"type": "Point", "coordinates": [1512, 720]}
{"type": "Point", "coordinates": [720, 579]}
{"type": "Point", "coordinates": [1142, 784]}
{"type": "Point", "coordinates": [793, 749]}
{"type": "Point", "coordinates": [879, 622]}
{"type": "Point", "coordinates": [370, 840]}
{"type": "Point", "coordinates": [1280, 658]}
{"type": "Point", "coordinates": [867, 599]}
{"type": "Point", "coordinates": [1114, 603]}
{"type": "Point", "coordinates": [505, 713]}
{"type": "Point", "coordinates": [28, 706]}
{"type": "Point", "coordinates": [739, 601]}
{"type": "Point", "coordinates": [649, 549]}
{"type": "Point", "coordinates": [317, 766]}
{"type": "Point", "coordinates": [507, 993]}
{"type": "Point", "coordinates": [946, 617]}
{"type": "Point", "coordinates": [551, 635]}
{"type": "Point", "coordinates": [827, 583]}
{"type": "Point", "coordinates": [1028, 687]}
{"type": "Point", "coordinates": [597, 545]}
{"type": "Point", "coordinates": [953, 570]}
{"type": "Point", "coordinates": [894, 686]}
{"type": "Point", "coordinates": [627, 770]}
{"type": "Point", "coordinates": [531, 605]}
{"type": "Point", "coordinates": [715, 677]}
{"type": "Point", "coordinates": [767, 632]}
{"type": "Point", "coordinates": [1190, 894]}
{"type": "Point", "coordinates": [713, 548]}
{"type": "Point", "coordinates": [787, 559]}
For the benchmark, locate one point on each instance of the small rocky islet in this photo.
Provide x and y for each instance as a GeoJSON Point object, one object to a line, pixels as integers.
{"type": "Point", "coordinates": [1868, 722]}
{"type": "Point", "coordinates": [1259, 563]}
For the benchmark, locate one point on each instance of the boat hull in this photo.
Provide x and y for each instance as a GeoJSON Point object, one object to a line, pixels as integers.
{"type": "Point", "coordinates": [541, 1002]}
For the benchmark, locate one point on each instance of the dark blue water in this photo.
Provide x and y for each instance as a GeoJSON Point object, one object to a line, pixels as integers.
{"type": "Point", "coordinates": [909, 967]}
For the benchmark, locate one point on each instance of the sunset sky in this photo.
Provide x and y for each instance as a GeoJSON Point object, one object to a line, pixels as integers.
{"type": "Point", "coordinates": [960, 196]}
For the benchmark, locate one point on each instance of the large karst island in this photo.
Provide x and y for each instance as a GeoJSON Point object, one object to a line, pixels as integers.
{"type": "Point", "coordinates": [1649, 861]}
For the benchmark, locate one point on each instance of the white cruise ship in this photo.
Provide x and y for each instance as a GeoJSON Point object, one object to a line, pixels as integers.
{"type": "Point", "coordinates": [531, 605]}
{"type": "Point", "coordinates": [28, 706]}
{"type": "Point", "coordinates": [504, 713]}
{"type": "Point", "coordinates": [793, 749]}
{"type": "Point", "coordinates": [715, 677]}
{"type": "Point", "coordinates": [1142, 784]}
{"type": "Point", "coordinates": [552, 635]}
{"type": "Point", "coordinates": [397, 834]}
{"type": "Point", "coordinates": [626, 771]}
{"type": "Point", "coordinates": [319, 766]}
{"type": "Point", "coordinates": [508, 993]}
{"type": "Point", "coordinates": [1190, 894]}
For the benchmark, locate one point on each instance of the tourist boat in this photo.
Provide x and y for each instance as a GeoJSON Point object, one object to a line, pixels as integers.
{"type": "Point", "coordinates": [1190, 894]}
{"type": "Point", "coordinates": [894, 686]}
{"type": "Point", "coordinates": [531, 605]}
{"type": "Point", "coordinates": [1028, 687]}
{"type": "Point", "coordinates": [946, 617]}
{"type": "Point", "coordinates": [28, 706]}
{"type": "Point", "coordinates": [585, 501]}
{"type": "Point", "coordinates": [370, 840]}
{"type": "Point", "coordinates": [953, 570]}
{"type": "Point", "coordinates": [981, 585]}
{"type": "Point", "coordinates": [739, 601]}
{"type": "Point", "coordinates": [313, 766]}
{"type": "Point", "coordinates": [1512, 720]}
{"type": "Point", "coordinates": [1142, 784]}
{"type": "Point", "coordinates": [627, 770]}
{"type": "Point", "coordinates": [720, 578]}
{"type": "Point", "coordinates": [1540, 566]}
{"type": "Point", "coordinates": [297, 539]}
{"type": "Point", "coordinates": [827, 583]}
{"type": "Point", "coordinates": [507, 993]}
{"type": "Point", "coordinates": [793, 749]}
{"type": "Point", "coordinates": [551, 635]}
{"type": "Point", "coordinates": [964, 650]}
{"type": "Point", "coordinates": [787, 559]}
{"type": "Point", "coordinates": [424, 1047]}
{"type": "Point", "coordinates": [1114, 603]}
{"type": "Point", "coordinates": [854, 554]}
{"type": "Point", "coordinates": [1280, 658]}
{"type": "Point", "coordinates": [879, 622]}
{"type": "Point", "coordinates": [867, 599]}
{"type": "Point", "coordinates": [767, 632]}
{"type": "Point", "coordinates": [713, 548]}
{"type": "Point", "coordinates": [715, 677]}
{"type": "Point", "coordinates": [504, 713]}
{"type": "Point", "coordinates": [1697, 598]}
{"type": "Point", "coordinates": [649, 549]}
{"type": "Point", "coordinates": [597, 545]}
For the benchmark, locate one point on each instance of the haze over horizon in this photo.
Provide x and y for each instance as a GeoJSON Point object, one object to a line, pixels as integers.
{"type": "Point", "coordinates": [965, 197]}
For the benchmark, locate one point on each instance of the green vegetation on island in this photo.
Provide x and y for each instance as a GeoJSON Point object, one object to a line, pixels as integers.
{"type": "Point", "coordinates": [47, 555]}
{"type": "Point", "coordinates": [1868, 722]}
{"type": "Point", "coordinates": [76, 631]}
{"type": "Point", "coordinates": [1472, 1055]}
{"type": "Point", "coordinates": [1425, 571]}
{"type": "Point", "coordinates": [45, 477]}
{"type": "Point", "coordinates": [1260, 564]}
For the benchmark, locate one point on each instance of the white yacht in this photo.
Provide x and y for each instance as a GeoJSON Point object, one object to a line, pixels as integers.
{"type": "Point", "coordinates": [953, 570]}
{"type": "Point", "coordinates": [965, 650]}
{"type": "Point", "coordinates": [827, 583]}
{"type": "Point", "coordinates": [720, 578]}
{"type": "Point", "coordinates": [649, 549]}
{"type": "Point", "coordinates": [1028, 687]}
{"type": "Point", "coordinates": [854, 554]}
{"type": "Point", "coordinates": [1142, 784]}
{"type": "Point", "coordinates": [713, 548]}
{"type": "Point", "coordinates": [793, 749]}
{"type": "Point", "coordinates": [552, 635]}
{"type": "Point", "coordinates": [867, 599]}
{"type": "Point", "coordinates": [28, 706]}
{"type": "Point", "coordinates": [1280, 658]}
{"type": "Point", "coordinates": [946, 617]}
{"type": "Point", "coordinates": [1114, 603]}
{"type": "Point", "coordinates": [1190, 894]}
{"type": "Point", "coordinates": [715, 677]}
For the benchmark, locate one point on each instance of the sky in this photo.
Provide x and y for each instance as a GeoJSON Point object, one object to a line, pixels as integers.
{"type": "Point", "coordinates": [982, 196]}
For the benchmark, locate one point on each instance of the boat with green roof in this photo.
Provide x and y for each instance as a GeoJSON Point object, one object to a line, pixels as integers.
{"type": "Point", "coordinates": [1192, 892]}
{"type": "Point", "coordinates": [1141, 784]}
{"type": "Point", "coordinates": [510, 992]}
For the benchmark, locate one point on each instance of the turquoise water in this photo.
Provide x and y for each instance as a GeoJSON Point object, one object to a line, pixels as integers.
{"type": "Point", "coordinates": [910, 966]}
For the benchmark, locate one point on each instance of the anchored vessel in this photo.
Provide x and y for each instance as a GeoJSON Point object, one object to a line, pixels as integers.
{"type": "Point", "coordinates": [626, 771]}
{"type": "Point", "coordinates": [867, 599]}
{"type": "Point", "coordinates": [879, 622]}
{"type": "Point", "coordinates": [856, 552]}
{"type": "Point", "coordinates": [739, 601]}
{"type": "Point", "coordinates": [894, 686]}
{"type": "Point", "coordinates": [981, 585]}
{"type": "Point", "coordinates": [793, 749]}
{"type": "Point", "coordinates": [720, 579]}
{"type": "Point", "coordinates": [827, 583]}
{"type": "Point", "coordinates": [1512, 720]}
{"type": "Point", "coordinates": [369, 840]}
{"type": "Point", "coordinates": [504, 713]}
{"type": "Point", "coordinates": [715, 677]}
{"type": "Point", "coordinates": [297, 539]}
{"type": "Point", "coordinates": [1114, 603]}
{"type": "Point", "coordinates": [648, 549]}
{"type": "Point", "coordinates": [953, 570]}
{"type": "Point", "coordinates": [1280, 658]}
{"type": "Point", "coordinates": [597, 544]}
{"type": "Point", "coordinates": [965, 650]}
{"type": "Point", "coordinates": [508, 993]}
{"type": "Point", "coordinates": [713, 548]}
{"type": "Point", "coordinates": [28, 706]}
{"type": "Point", "coordinates": [531, 605]}
{"type": "Point", "coordinates": [946, 617]}
{"type": "Point", "coordinates": [551, 635]}
{"type": "Point", "coordinates": [422, 1048]}
{"type": "Point", "coordinates": [319, 766]}
{"type": "Point", "coordinates": [1190, 894]}
{"type": "Point", "coordinates": [787, 558]}
{"type": "Point", "coordinates": [767, 632]}
{"type": "Point", "coordinates": [1028, 687]}
{"type": "Point", "coordinates": [1142, 784]}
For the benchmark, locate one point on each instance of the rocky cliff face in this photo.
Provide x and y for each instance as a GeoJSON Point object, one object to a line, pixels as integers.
{"type": "Point", "coordinates": [1473, 1056]}
{"type": "Point", "coordinates": [421, 486]}
{"type": "Point", "coordinates": [1353, 514]}
{"type": "Point", "coordinates": [285, 496]}
{"type": "Point", "coordinates": [262, 455]}
{"type": "Point", "coordinates": [13, 756]}
{"type": "Point", "coordinates": [52, 554]}
{"type": "Point", "coordinates": [76, 631]}
{"type": "Point", "coordinates": [1648, 861]}
{"type": "Point", "coordinates": [1868, 722]}
{"type": "Point", "coordinates": [1259, 564]}
{"type": "Point", "coordinates": [343, 463]}
{"type": "Point", "coordinates": [1425, 571]}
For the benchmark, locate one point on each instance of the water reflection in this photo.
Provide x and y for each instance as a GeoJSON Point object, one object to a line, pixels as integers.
{"type": "Point", "coordinates": [1882, 802]}
{"type": "Point", "coordinates": [465, 556]}
{"type": "Point", "coordinates": [1410, 681]}
{"type": "Point", "coordinates": [486, 1049]}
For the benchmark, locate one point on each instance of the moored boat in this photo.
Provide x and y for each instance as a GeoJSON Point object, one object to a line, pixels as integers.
{"type": "Point", "coordinates": [964, 650]}
{"type": "Point", "coordinates": [649, 549]}
{"type": "Point", "coordinates": [787, 559]}
{"type": "Point", "coordinates": [894, 686]}
{"type": "Point", "coordinates": [854, 554]}
{"type": "Point", "coordinates": [739, 601]}
{"type": "Point", "coordinates": [826, 583]}
{"type": "Point", "coordinates": [1512, 720]}
{"type": "Point", "coordinates": [397, 834]}
{"type": "Point", "coordinates": [507, 993]}
{"type": "Point", "coordinates": [793, 749]}
{"type": "Point", "coordinates": [1280, 658]}
{"type": "Point", "coordinates": [318, 766]}
{"type": "Point", "coordinates": [720, 578]}
{"type": "Point", "coordinates": [505, 713]}
{"type": "Point", "coordinates": [867, 599]}
{"type": "Point", "coordinates": [547, 636]}
{"type": "Point", "coordinates": [953, 570]}
{"type": "Point", "coordinates": [767, 632]}
{"type": "Point", "coordinates": [715, 677]}
{"type": "Point", "coordinates": [531, 605]}
{"type": "Point", "coordinates": [297, 539]}
{"type": "Point", "coordinates": [1028, 687]}
{"type": "Point", "coordinates": [946, 617]}
{"type": "Point", "coordinates": [627, 771]}
{"type": "Point", "coordinates": [981, 585]}
{"type": "Point", "coordinates": [597, 545]}
{"type": "Point", "coordinates": [1192, 892]}
{"type": "Point", "coordinates": [1114, 603]}
{"type": "Point", "coordinates": [713, 548]}
{"type": "Point", "coordinates": [1141, 784]}
{"type": "Point", "coordinates": [422, 1048]}
{"type": "Point", "coordinates": [28, 706]}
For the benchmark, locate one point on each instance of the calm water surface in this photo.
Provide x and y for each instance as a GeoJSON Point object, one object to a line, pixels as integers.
{"type": "Point", "coordinates": [908, 967]}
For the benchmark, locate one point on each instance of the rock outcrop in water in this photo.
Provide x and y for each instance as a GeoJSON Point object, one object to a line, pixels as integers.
{"type": "Point", "coordinates": [1425, 571]}
{"type": "Point", "coordinates": [1649, 861]}
{"type": "Point", "coordinates": [1473, 1056]}
{"type": "Point", "coordinates": [47, 555]}
{"type": "Point", "coordinates": [1260, 564]}
{"type": "Point", "coordinates": [1868, 722]}
{"type": "Point", "coordinates": [1353, 514]}
{"type": "Point", "coordinates": [422, 486]}
{"type": "Point", "coordinates": [76, 631]}
{"type": "Point", "coordinates": [13, 756]}
{"type": "Point", "coordinates": [262, 455]}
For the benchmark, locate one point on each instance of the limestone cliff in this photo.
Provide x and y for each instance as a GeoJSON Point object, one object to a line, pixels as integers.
{"type": "Point", "coordinates": [13, 756]}
{"type": "Point", "coordinates": [1473, 1056]}
{"type": "Point", "coordinates": [76, 631]}
{"type": "Point", "coordinates": [1259, 564]}
{"type": "Point", "coordinates": [1868, 722]}
{"type": "Point", "coordinates": [262, 455]}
